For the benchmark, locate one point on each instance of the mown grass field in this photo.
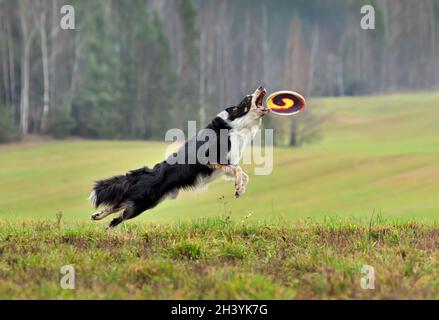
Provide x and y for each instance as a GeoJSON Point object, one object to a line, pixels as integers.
{"type": "Point", "coordinates": [366, 194]}
{"type": "Point", "coordinates": [377, 154]}
{"type": "Point", "coordinates": [217, 258]}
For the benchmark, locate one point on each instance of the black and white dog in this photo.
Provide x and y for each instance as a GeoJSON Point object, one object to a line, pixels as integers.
{"type": "Point", "coordinates": [142, 189]}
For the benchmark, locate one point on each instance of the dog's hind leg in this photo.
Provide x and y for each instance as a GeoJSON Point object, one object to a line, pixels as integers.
{"type": "Point", "coordinates": [104, 213]}
{"type": "Point", "coordinates": [129, 213]}
{"type": "Point", "coordinates": [116, 221]}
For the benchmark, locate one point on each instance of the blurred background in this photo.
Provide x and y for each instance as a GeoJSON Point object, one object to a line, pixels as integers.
{"type": "Point", "coordinates": [131, 70]}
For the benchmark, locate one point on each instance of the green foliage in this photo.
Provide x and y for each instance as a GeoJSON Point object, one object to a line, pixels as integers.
{"type": "Point", "coordinates": [128, 80]}
{"type": "Point", "coordinates": [134, 69]}
{"type": "Point", "coordinates": [61, 123]}
{"type": "Point", "coordinates": [8, 128]}
{"type": "Point", "coordinates": [189, 64]}
{"type": "Point", "coordinates": [96, 108]}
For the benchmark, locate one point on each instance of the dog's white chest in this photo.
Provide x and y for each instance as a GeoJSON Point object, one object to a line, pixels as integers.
{"type": "Point", "coordinates": [240, 138]}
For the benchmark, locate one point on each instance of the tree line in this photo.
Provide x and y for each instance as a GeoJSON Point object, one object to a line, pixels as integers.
{"type": "Point", "coordinates": [133, 69]}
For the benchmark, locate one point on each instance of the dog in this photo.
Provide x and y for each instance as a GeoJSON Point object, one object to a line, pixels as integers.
{"type": "Point", "coordinates": [143, 189]}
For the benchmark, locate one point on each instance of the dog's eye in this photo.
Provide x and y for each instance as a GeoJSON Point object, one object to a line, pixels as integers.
{"type": "Point", "coordinates": [233, 111]}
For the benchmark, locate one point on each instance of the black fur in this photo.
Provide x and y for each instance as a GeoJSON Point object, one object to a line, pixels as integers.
{"type": "Point", "coordinates": [142, 189]}
{"type": "Point", "coordinates": [240, 110]}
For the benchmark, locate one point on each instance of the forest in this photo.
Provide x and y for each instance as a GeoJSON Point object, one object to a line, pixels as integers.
{"type": "Point", "coordinates": [134, 69]}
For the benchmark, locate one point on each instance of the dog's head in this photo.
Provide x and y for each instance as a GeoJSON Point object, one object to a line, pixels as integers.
{"type": "Point", "coordinates": [250, 107]}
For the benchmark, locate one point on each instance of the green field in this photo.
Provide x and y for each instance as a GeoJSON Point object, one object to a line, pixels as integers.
{"type": "Point", "coordinates": [366, 194]}
{"type": "Point", "coordinates": [217, 258]}
{"type": "Point", "coordinates": [378, 154]}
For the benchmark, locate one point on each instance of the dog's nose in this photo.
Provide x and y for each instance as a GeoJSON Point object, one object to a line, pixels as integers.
{"type": "Point", "coordinates": [261, 88]}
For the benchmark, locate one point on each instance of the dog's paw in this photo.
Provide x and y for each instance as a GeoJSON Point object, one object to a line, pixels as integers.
{"type": "Point", "coordinates": [241, 184]}
{"type": "Point", "coordinates": [239, 190]}
{"type": "Point", "coordinates": [245, 179]}
{"type": "Point", "coordinates": [96, 216]}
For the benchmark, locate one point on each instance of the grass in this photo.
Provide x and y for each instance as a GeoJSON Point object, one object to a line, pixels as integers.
{"type": "Point", "coordinates": [217, 258]}
{"type": "Point", "coordinates": [377, 154]}
{"type": "Point", "coordinates": [364, 195]}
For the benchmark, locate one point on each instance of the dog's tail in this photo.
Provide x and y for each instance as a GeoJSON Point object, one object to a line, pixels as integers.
{"type": "Point", "coordinates": [142, 189]}
{"type": "Point", "coordinates": [114, 191]}
{"type": "Point", "coordinates": [110, 191]}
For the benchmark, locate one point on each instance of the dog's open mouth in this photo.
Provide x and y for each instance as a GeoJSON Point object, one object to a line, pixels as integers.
{"type": "Point", "coordinates": [259, 102]}
{"type": "Point", "coordinates": [260, 98]}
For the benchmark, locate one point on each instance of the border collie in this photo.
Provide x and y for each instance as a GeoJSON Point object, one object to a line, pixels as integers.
{"type": "Point", "coordinates": [142, 189]}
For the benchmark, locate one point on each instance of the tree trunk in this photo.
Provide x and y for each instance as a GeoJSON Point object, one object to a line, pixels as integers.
{"type": "Point", "coordinates": [293, 133]}
{"type": "Point", "coordinates": [5, 68]}
{"type": "Point", "coordinates": [292, 69]}
{"type": "Point", "coordinates": [54, 49]}
{"type": "Point", "coordinates": [75, 71]}
{"type": "Point", "coordinates": [11, 65]}
{"type": "Point", "coordinates": [45, 61]}
{"type": "Point", "coordinates": [201, 87]}
{"type": "Point", "coordinates": [312, 60]}
{"type": "Point", "coordinates": [340, 66]}
{"type": "Point", "coordinates": [27, 36]}
{"type": "Point", "coordinates": [265, 45]}
{"type": "Point", "coordinates": [246, 50]}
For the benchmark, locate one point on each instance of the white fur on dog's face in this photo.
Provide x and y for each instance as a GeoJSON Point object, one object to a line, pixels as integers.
{"type": "Point", "coordinates": [245, 120]}
{"type": "Point", "coordinates": [249, 110]}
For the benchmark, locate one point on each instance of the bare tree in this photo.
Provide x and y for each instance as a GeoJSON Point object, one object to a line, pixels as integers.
{"type": "Point", "coordinates": [11, 64]}
{"type": "Point", "coordinates": [26, 22]}
{"type": "Point", "coordinates": [75, 70]}
{"type": "Point", "coordinates": [202, 76]}
{"type": "Point", "coordinates": [45, 64]}
{"type": "Point", "coordinates": [4, 55]}
{"type": "Point", "coordinates": [313, 58]}
{"type": "Point", "coordinates": [298, 75]}
{"type": "Point", "coordinates": [55, 49]}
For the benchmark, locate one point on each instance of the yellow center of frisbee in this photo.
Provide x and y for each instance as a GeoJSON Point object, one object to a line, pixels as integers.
{"type": "Point", "coordinates": [288, 103]}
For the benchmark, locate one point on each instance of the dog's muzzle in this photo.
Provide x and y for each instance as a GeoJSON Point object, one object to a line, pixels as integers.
{"type": "Point", "coordinates": [260, 95]}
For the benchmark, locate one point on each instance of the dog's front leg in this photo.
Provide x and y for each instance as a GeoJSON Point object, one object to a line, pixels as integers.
{"type": "Point", "coordinates": [241, 182]}
{"type": "Point", "coordinates": [240, 177]}
{"type": "Point", "coordinates": [237, 174]}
